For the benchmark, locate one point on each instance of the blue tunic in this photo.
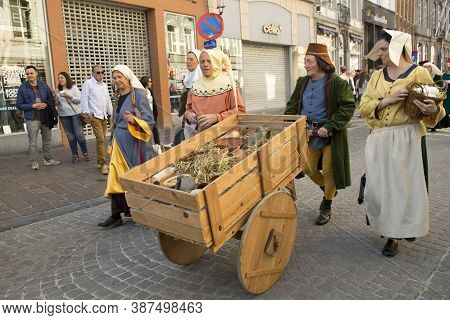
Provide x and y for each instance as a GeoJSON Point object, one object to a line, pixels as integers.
{"type": "Point", "coordinates": [313, 107]}
{"type": "Point", "coordinates": [134, 151]}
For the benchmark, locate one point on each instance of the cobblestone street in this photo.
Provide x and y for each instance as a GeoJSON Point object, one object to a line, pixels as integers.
{"type": "Point", "coordinates": [68, 257]}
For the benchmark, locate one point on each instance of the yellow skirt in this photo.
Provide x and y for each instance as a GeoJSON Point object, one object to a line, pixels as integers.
{"type": "Point", "coordinates": [117, 167]}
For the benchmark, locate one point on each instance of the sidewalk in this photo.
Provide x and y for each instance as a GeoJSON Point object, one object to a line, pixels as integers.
{"type": "Point", "coordinates": [27, 195]}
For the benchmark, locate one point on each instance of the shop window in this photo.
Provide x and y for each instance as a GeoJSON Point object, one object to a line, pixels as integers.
{"type": "Point", "coordinates": [180, 38]}
{"type": "Point", "coordinates": [20, 18]}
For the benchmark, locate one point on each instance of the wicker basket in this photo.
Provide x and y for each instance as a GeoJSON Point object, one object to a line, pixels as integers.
{"type": "Point", "coordinates": [411, 109]}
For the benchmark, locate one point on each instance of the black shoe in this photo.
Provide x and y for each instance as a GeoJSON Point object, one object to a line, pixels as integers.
{"type": "Point", "coordinates": [390, 248]}
{"type": "Point", "coordinates": [325, 212]}
{"type": "Point", "coordinates": [410, 239]}
{"type": "Point", "coordinates": [110, 223]}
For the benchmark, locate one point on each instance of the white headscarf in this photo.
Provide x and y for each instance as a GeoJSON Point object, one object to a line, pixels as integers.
{"type": "Point", "coordinates": [434, 70]}
{"type": "Point", "coordinates": [127, 73]}
{"type": "Point", "coordinates": [399, 41]}
{"type": "Point", "coordinates": [193, 75]}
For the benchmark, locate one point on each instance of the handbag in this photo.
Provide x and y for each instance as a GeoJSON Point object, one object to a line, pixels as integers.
{"type": "Point", "coordinates": [83, 117]}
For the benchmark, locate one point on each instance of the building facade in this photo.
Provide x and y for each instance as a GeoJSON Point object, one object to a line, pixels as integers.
{"type": "Point", "coordinates": [404, 16]}
{"type": "Point", "coordinates": [338, 24]}
{"type": "Point", "coordinates": [378, 15]}
{"type": "Point", "coordinates": [266, 41]}
{"type": "Point", "coordinates": [431, 32]}
{"type": "Point", "coordinates": [150, 36]}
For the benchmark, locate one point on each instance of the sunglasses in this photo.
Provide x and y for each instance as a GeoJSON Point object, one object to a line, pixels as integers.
{"type": "Point", "coordinates": [100, 72]}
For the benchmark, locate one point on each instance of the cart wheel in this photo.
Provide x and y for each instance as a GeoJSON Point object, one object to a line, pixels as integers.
{"type": "Point", "coordinates": [179, 251]}
{"type": "Point", "coordinates": [267, 242]}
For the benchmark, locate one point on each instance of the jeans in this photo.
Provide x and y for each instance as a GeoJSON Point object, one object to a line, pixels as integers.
{"type": "Point", "coordinates": [74, 133]}
{"type": "Point", "coordinates": [33, 128]}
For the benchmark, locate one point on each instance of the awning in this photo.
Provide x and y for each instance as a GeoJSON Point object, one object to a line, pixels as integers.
{"type": "Point", "coordinates": [327, 30]}
{"type": "Point", "coordinates": [356, 38]}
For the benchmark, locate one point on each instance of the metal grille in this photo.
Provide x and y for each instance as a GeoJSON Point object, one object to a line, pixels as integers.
{"type": "Point", "coordinates": [264, 76]}
{"type": "Point", "coordinates": [97, 33]}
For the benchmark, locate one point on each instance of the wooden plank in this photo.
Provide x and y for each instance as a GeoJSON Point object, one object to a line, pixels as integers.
{"type": "Point", "coordinates": [149, 168]}
{"type": "Point", "coordinates": [280, 139]}
{"type": "Point", "coordinates": [170, 212]}
{"type": "Point", "coordinates": [288, 166]}
{"type": "Point", "coordinates": [181, 231]}
{"type": "Point", "coordinates": [259, 273]}
{"type": "Point", "coordinates": [234, 229]}
{"type": "Point", "coordinates": [194, 202]}
{"type": "Point", "coordinates": [283, 153]}
{"type": "Point", "coordinates": [215, 214]}
{"type": "Point", "coordinates": [302, 141]}
{"type": "Point", "coordinates": [275, 117]}
{"type": "Point", "coordinates": [237, 201]}
{"type": "Point", "coordinates": [286, 181]}
{"type": "Point", "coordinates": [236, 173]}
{"type": "Point", "coordinates": [265, 171]}
{"type": "Point", "coordinates": [264, 123]}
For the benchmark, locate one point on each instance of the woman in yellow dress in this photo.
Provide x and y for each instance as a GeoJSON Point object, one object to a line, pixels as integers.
{"type": "Point", "coordinates": [396, 195]}
{"type": "Point", "coordinates": [131, 130]}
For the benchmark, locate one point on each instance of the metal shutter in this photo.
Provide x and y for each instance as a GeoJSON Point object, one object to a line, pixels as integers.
{"type": "Point", "coordinates": [107, 35]}
{"type": "Point", "coordinates": [264, 69]}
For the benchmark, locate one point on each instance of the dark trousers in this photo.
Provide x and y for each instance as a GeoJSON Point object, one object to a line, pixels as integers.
{"type": "Point", "coordinates": [119, 205]}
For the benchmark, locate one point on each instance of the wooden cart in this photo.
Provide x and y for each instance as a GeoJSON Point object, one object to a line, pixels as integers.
{"type": "Point", "coordinates": [254, 201]}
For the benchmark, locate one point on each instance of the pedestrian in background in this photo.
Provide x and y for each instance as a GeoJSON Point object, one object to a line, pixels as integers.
{"type": "Point", "coordinates": [147, 84]}
{"type": "Point", "coordinates": [396, 197]}
{"type": "Point", "coordinates": [36, 100]}
{"type": "Point", "coordinates": [194, 72]}
{"type": "Point", "coordinates": [68, 98]}
{"type": "Point", "coordinates": [131, 130]}
{"type": "Point", "coordinates": [346, 74]}
{"type": "Point", "coordinates": [327, 102]}
{"type": "Point", "coordinates": [95, 101]}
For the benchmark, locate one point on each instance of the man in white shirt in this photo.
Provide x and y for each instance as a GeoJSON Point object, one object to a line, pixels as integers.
{"type": "Point", "coordinates": [95, 100]}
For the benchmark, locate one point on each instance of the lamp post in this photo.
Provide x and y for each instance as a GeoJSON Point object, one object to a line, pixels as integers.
{"type": "Point", "coordinates": [220, 6]}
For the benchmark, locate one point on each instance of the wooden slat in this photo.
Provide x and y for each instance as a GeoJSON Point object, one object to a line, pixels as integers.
{"type": "Point", "coordinates": [170, 212]}
{"type": "Point", "coordinates": [259, 273]}
{"type": "Point", "coordinates": [233, 230]}
{"type": "Point", "coordinates": [149, 168]}
{"type": "Point", "coordinates": [265, 172]}
{"type": "Point", "coordinates": [291, 163]}
{"type": "Point", "coordinates": [195, 202]}
{"type": "Point", "coordinates": [236, 173]}
{"type": "Point", "coordinates": [288, 179]}
{"type": "Point", "coordinates": [302, 143]}
{"type": "Point", "coordinates": [240, 198]}
{"type": "Point", "coordinates": [275, 117]}
{"type": "Point", "coordinates": [264, 123]}
{"type": "Point", "coordinates": [215, 214]}
{"type": "Point", "coordinates": [282, 154]}
{"type": "Point", "coordinates": [281, 138]}
{"type": "Point", "coordinates": [181, 231]}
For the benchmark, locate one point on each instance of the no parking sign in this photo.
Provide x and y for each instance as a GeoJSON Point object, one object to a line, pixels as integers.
{"type": "Point", "coordinates": [210, 26]}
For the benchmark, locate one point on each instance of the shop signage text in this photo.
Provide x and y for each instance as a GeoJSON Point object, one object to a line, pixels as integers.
{"type": "Point", "coordinates": [272, 29]}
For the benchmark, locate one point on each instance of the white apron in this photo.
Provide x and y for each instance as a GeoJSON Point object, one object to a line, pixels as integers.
{"type": "Point", "coordinates": [396, 197]}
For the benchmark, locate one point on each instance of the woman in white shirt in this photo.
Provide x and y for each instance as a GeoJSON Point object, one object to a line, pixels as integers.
{"type": "Point", "coordinates": [147, 84]}
{"type": "Point", "coordinates": [68, 98]}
